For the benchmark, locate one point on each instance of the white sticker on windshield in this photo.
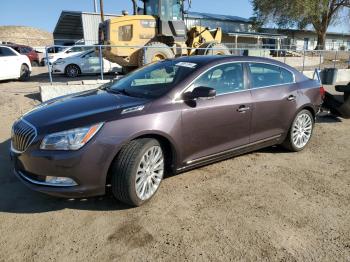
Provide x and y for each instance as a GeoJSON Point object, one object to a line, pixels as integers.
{"type": "Point", "coordinates": [186, 64]}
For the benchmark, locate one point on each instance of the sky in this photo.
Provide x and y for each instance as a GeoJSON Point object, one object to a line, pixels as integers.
{"type": "Point", "coordinates": [44, 14]}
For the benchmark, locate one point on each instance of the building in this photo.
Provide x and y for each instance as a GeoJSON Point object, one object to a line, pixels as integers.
{"type": "Point", "coordinates": [307, 39]}
{"type": "Point", "coordinates": [78, 28]}
{"type": "Point", "coordinates": [82, 28]}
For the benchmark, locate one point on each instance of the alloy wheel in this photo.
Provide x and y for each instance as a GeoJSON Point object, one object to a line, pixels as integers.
{"type": "Point", "coordinates": [149, 173]}
{"type": "Point", "coordinates": [302, 130]}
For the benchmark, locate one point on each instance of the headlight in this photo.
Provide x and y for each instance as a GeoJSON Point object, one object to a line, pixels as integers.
{"type": "Point", "coordinates": [73, 139]}
{"type": "Point", "coordinates": [59, 62]}
{"type": "Point", "coordinates": [51, 57]}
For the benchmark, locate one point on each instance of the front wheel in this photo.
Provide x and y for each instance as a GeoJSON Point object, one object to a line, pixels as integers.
{"type": "Point", "coordinates": [213, 49]}
{"type": "Point", "coordinates": [138, 171]}
{"type": "Point", "coordinates": [154, 52]}
{"type": "Point", "coordinates": [72, 71]}
{"type": "Point", "coordinates": [300, 132]}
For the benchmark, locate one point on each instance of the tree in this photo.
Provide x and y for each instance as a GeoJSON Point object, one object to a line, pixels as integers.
{"type": "Point", "coordinates": [301, 13]}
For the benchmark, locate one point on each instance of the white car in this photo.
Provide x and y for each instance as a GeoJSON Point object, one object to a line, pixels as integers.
{"type": "Point", "coordinates": [67, 52]}
{"type": "Point", "coordinates": [14, 65]}
{"type": "Point", "coordinates": [84, 63]}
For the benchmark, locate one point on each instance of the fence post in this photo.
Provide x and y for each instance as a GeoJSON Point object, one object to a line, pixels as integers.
{"type": "Point", "coordinates": [48, 65]}
{"type": "Point", "coordinates": [335, 58]}
{"type": "Point", "coordinates": [303, 61]}
{"type": "Point", "coordinates": [319, 67]}
{"type": "Point", "coordinates": [101, 61]}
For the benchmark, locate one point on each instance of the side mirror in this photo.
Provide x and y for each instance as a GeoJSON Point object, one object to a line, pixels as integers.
{"type": "Point", "coordinates": [199, 92]}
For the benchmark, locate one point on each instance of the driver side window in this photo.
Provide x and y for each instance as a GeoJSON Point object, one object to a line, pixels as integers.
{"type": "Point", "coordinates": [224, 79]}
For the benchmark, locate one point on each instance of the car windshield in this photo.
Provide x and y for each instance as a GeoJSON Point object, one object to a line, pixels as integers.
{"type": "Point", "coordinates": [154, 80]}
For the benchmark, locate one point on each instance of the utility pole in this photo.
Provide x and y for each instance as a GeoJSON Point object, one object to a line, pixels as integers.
{"type": "Point", "coordinates": [101, 10]}
{"type": "Point", "coordinates": [95, 6]}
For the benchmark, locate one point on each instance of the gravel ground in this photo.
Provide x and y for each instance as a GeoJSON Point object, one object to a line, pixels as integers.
{"type": "Point", "coordinates": [268, 205]}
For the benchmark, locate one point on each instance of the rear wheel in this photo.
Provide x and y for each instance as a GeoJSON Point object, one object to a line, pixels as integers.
{"type": "Point", "coordinates": [72, 71]}
{"type": "Point", "coordinates": [24, 73]}
{"type": "Point", "coordinates": [153, 52]}
{"type": "Point", "coordinates": [300, 132]}
{"type": "Point", "coordinates": [138, 171]}
{"type": "Point", "coordinates": [213, 49]}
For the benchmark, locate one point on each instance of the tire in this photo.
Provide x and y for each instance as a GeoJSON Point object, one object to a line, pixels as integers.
{"type": "Point", "coordinates": [35, 63]}
{"type": "Point", "coordinates": [300, 133]}
{"type": "Point", "coordinates": [72, 71]}
{"type": "Point", "coordinates": [127, 172]}
{"type": "Point", "coordinates": [24, 73]}
{"type": "Point", "coordinates": [154, 51]}
{"type": "Point", "coordinates": [213, 49]}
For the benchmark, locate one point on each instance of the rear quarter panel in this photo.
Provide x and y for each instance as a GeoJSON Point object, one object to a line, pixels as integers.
{"type": "Point", "coordinates": [309, 95]}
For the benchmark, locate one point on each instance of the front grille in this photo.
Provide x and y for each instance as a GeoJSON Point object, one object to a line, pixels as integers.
{"type": "Point", "coordinates": [23, 134]}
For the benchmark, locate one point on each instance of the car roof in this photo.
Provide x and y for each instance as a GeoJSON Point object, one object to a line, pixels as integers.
{"type": "Point", "coordinates": [16, 45]}
{"type": "Point", "coordinates": [213, 60]}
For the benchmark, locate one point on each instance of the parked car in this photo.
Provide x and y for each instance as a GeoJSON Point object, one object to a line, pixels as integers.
{"type": "Point", "coordinates": [85, 63]}
{"type": "Point", "coordinates": [14, 65]}
{"type": "Point", "coordinates": [167, 117]}
{"type": "Point", "coordinates": [64, 53]}
{"type": "Point", "coordinates": [28, 51]}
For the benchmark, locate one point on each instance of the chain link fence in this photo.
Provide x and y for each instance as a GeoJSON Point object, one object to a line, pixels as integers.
{"type": "Point", "coordinates": [303, 60]}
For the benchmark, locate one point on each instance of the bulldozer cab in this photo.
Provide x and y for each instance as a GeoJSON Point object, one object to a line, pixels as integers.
{"type": "Point", "coordinates": [170, 16]}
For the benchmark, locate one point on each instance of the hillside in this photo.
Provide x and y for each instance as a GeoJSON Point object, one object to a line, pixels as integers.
{"type": "Point", "coordinates": [25, 35]}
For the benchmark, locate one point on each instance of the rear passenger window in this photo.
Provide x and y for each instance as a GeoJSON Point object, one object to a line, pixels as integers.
{"type": "Point", "coordinates": [269, 75]}
{"type": "Point", "coordinates": [224, 79]}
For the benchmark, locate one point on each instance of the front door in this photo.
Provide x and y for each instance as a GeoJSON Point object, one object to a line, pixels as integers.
{"type": "Point", "coordinates": [10, 63]}
{"type": "Point", "coordinates": [215, 125]}
{"type": "Point", "coordinates": [91, 63]}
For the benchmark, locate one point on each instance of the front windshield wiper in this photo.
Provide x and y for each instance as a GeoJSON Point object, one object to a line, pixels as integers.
{"type": "Point", "coordinates": [117, 91]}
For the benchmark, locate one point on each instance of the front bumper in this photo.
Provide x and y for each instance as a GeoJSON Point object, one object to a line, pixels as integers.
{"type": "Point", "coordinates": [88, 167]}
{"type": "Point", "coordinates": [58, 69]}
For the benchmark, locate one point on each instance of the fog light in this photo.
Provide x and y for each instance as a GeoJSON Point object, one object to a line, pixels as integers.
{"type": "Point", "coordinates": [60, 181]}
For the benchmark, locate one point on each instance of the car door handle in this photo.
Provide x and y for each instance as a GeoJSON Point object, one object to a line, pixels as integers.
{"type": "Point", "coordinates": [291, 98]}
{"type": "Point", "coordinates": [243, 109]}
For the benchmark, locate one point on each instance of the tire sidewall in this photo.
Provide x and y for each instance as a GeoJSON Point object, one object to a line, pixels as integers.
{"type": "Point", "coordinates": [224, 50]}
{"type": "Point", "coordinates": [133, 170]}
{"type": "Point", "coordinates": [24, 76]}
{"type": "Point", "coordinates": [290, 135]}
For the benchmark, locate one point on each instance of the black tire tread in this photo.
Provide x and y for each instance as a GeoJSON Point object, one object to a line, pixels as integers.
{"type": "Point", "coordinates": [210, 46]}
{"type": "Point", "coordinates": [121, 168]}
{"type": "Point", "coordinates": [141, 58]}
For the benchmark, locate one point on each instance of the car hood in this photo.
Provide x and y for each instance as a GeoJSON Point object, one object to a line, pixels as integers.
{"type": "Point", "coordinates": [72, 57]}
{"type": "Point", "coordinates": [80, 110]}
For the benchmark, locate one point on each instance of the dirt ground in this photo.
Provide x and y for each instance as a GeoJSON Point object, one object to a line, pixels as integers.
{"type": "Point", "coordinates": [270, 205]}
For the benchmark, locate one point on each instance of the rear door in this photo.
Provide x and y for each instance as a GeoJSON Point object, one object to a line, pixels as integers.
{"type": "Point", "coordinates": [215, 125]}
{"type": "Point", "coordinates": [274, 93]}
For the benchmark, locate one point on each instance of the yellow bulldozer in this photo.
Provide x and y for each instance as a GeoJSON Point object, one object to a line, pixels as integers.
{"type": "Point", "coordinates": [158, 26]}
